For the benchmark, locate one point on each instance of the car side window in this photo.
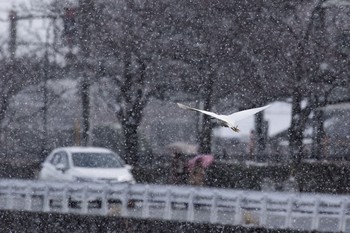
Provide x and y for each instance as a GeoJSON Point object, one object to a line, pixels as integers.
{"type": "Point", "coordinates": [55, 159]}
{"type": "Point", "coordinates": [64, 159]}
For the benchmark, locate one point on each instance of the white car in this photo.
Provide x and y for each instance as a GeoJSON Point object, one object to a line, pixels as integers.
{"type": "Point", "coordinates": [85, 164]}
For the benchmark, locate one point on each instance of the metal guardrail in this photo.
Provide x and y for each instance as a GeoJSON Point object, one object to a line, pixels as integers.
{"type": "Point", "coordinates": [319, 212]}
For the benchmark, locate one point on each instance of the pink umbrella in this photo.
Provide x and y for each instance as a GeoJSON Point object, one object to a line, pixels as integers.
{"type": "Point", "coordinates": [206, 161]}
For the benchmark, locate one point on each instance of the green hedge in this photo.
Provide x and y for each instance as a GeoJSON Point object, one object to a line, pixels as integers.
{"type": "Point", "coordinates": [19, 171]}
{"type": "Point", "coordinates": [240, 176]}
{"type": "Point", "coordinates": [310, 177]}
{"type": "Point", "coordinates": [324, 177]}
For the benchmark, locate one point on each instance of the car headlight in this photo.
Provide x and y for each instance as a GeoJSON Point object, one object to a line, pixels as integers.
{"type": "Point", "coordinates": [132, 181]}
{"type": "Point", "coordinates": [127, 179]}
{"type": "Point", "coordinates": [83, 179]}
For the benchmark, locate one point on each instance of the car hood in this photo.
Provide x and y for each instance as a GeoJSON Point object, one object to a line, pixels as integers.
{"type": "Point", "coordinates": [103, 174]}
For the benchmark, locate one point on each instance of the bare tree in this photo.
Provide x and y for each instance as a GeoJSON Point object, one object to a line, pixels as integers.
{"type": "Point", "coordinates": [231, 54]}
{"type": "Point", "coordinates": [16, 75]}
{"type": "Point", "coordinates": [307, 49]}
{"type": "Point", "coordinates": [124, 46]}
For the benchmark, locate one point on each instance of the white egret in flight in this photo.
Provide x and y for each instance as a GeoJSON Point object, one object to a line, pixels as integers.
{"type": "Point", "coordinates": [229, 120]}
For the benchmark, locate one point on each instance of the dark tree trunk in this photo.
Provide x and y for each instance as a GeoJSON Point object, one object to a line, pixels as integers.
{"type": "Point", "coordinates": [318, 147]}
{"type": "Point", "coordinates": [134, 101]}
{"type": "Point", "coordinates": [4, 106]}
{"type": "Point", "coordinates": [260, 133]}
{"type": "Point", "coordinates": [206, 132]}
{"type": "Point", "coordinates": [130, 124]}
{"type": "Point", "coordinates": [318, 130]}
{"type": "Point", "coordinates": [299, 115]}
{"type": "Point", "coordinates": [296, 131]}
{"type": "Point", "coordinates": [131, 143]}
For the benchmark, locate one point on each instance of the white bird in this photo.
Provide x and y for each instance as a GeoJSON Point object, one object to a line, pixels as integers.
{"type": "Point", "coordinates": [229, 120]}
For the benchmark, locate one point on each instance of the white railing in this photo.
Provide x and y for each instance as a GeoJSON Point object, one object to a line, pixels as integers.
{"type": "Point", "coordinates": [329, 213]}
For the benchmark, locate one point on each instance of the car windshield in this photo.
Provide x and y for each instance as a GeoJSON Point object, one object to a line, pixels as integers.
{"type": "Point", "coordinates": [96, 160]}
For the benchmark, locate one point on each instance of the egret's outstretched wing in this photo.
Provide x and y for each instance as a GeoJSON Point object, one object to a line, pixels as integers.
{"type": "Point", "coordinates": [237, 116]}
{"type": "Point", "coordinates": [202, 111]}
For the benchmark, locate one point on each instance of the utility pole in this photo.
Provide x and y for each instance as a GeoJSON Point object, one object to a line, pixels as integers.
{"type": "Point", "coordinates": [45, 97]}
{"type": "Point", "coordinates": [12, 51]}
{"type": "Point", "coordinates": [13, 19]}
{"type": "Point", "coordinates": [86, 21]}
{"type": "Point", "coordinates": [13, 34]}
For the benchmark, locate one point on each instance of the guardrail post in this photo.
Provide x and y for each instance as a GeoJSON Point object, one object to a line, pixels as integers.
{"type": "Point", "coordinates": [145, 203]}
{"type": "Point", "coordinates": [167, 209]}
{"type": "Point", "coordinates": [65, 200]}
{"type": "Point", "coordinates": [85, 201]}
{"type": "Point", "coordinates": [263, 210]}
{"type": "Point", "coordinates": [190, 208]}
{"type": "Point", "coordinates": [104, 201]}
{"type": "Point", "coordinates": [28, 198]}
{"type": "Point", "coordinates": [288, 221]}
{"type": "Point", "coordinates": [238, 210]}
{"type": "Point", "coordinates": [315, 215]}
{"type": "Point", "coordinates": [46, 201]}
{"type": "Point", "coordinates": [342, 217]}
{"type": "Point", "coordinates": [9, 198]}
{"type": "Point", "coordinates": [124, 199]}
{"type": "Point", "coordinates": [214, 208]}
